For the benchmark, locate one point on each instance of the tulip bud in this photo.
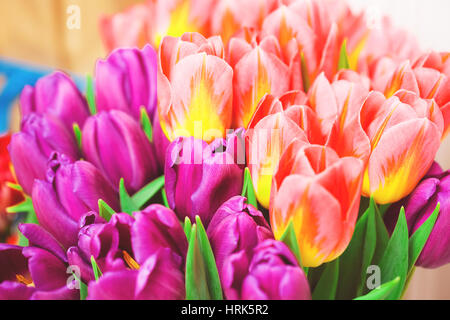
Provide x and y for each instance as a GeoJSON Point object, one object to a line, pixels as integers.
{"type": "Point", "coordinates": [201, 177]}
{"type": "Point", "coordinates": [126, 81]}
{"type": "Point", "coordinates": [157, 227]}
{"type": "Point", "coordinates": [419, 206]}
{"type": "Point", "coordinates": [31, 148]}
{"type": "Point", "coordinates": [70, 191]}
{"type": "Point", "coordinates": [114, 142]}
{"type": "Point", "coordinates": [234, 227]}
{"type": "Point", "coordinates": [271, 273]}
{"type": "Point", "coordinates": [56, 95]}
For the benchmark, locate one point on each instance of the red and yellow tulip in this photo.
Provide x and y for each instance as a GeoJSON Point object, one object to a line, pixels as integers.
{"type": "Point", "coordinates": [306, 194]}
{"type": "Point", "coordinates": [404, 139]}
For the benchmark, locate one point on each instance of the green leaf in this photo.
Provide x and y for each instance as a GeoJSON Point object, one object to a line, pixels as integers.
{"type": "Point", "coordinates": [290, 239]}
{"type": "Point", "coordinates": [187, 227]}
{"type": "Point", "coordinates": [395, 259]}
{"type": "Point", "coordinates": [146, 124]}
{"type": "Point", "coordinates": [382, 237]}
{"type": "Point", "coordinates": [148, 192]}
{"type": "Point", "coordinates": [196, 287]}
{"type": "Point", "coordinates": [30, 218]}
{"type": "Point", "coordinates": [383, 292]}
{"type": "Point", "coordinates": [305, 73]}
{"type": "Point", "coordinates": [77, 132]}
{"type": "Point", "coordinates": [213, 274]}
{"type": "Point", "coordinates": [105, 211]}
{"type": "Point", "coordinates": [96, 269]}
{"type": "Point", "coordinates": [328, 282]}
{"type": "Point", "coordinates": [90, 96]}
{"type": "Point", "coordinates": [24, 206]}
{"type": "Point", "coordinates": [343, 57]}
{"type": "Point", "coordinates": [419, 238]}
{"type": "Point", "coordinates": [164, 197]}
{"type": "Point", "coordinates": [202, 276]}
{"type": "Point", "coordinates": [14, 186]}
{"type": "Point", "coordinates": [358, 255]}
{"type": "Point", "coordinates": [248, 189]}
{"type": "Point", "coordinates": [126, 202]}
{"type": "Point", "coordinates": [83, 288]}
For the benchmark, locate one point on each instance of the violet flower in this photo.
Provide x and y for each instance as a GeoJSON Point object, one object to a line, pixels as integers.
{"type": "Point", "coordinates": [419, 206]}
{"type": "Point", "coordinates": [70, 191]}
{"type": "Point", "coordinates": [126, 81]}
{"type": "Point", "coordinates": [201, 177]}
{"type": "Point", "coordinates": [271, 273]}
{"type": "Point", "coordinates": [37, 272]}
{"type": "Point", "coordinates": [55, 95]}
{"type": "Point", "coordinates": [115, 143]}
{"type": "Point", "coordinates": [31, 148]}
{"type": "Point", "coordinates": [236, 226]}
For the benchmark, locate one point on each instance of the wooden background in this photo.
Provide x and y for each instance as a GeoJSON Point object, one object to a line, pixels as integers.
{"type": "Point", "coordinates": [35, 31]}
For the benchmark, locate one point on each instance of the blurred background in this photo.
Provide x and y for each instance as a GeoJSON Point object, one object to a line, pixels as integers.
{"type": "Point", "coordinates": [35, 39]}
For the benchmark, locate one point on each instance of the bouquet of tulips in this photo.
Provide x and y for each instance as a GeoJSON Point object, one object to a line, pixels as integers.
{"type": "Point", "coordinates": [226, 149]}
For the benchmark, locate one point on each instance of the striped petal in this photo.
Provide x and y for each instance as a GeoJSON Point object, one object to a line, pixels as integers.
{"type": "Point", "coordinates": [202, 109]}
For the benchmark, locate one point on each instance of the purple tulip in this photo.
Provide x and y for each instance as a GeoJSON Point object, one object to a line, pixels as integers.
{"type": "Point", "coordinates": [159, 278]}
{"type": "Point", "coordinates": [57, 95]}
{"type": "Point", "coordinates": [115, 143]}
{"type": "Point", "coordinates": [434, 189]}
{"type": "Point", "coordinates": [38, 272]}
{"type": "Point", "coordinates": [126, 81]}
{"type": "Point", "coordinates": [31, 148]}
{"type": "Point", "coordinates": [109, 244]}
{"type": "Point", "coordinates": [157, 227]}
{"type": "Point", "coordinates": [201, 177]}
{"type": "Point", "coordinates": [70, 191]}
{"type": "Point", "coordinates": [271, 273]}
{"type": "Point", "coordinates": [236, 226]}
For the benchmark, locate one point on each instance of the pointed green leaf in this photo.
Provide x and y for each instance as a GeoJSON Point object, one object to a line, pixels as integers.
{"type": "Point", "coordinates": [164, 197]}
{"type": "Point", "coordinates": [395, 259]}
{"type": "Point", "coordinates": [328, 282]}
{"type": "Point", "coordinates": [83, 287]}
{"type": "Point", "coordinates": [126, 202]}
{"type": "Point", "coordinates": [24, 206]}
{"type": "Point", "coordinates": [290, 239]}
{"type": "Point", "coordinates": [96, 269]}
{"type": "Point", "coordinates": [305, 73]}
{"type": "Point", "coordinates": [14, 186]}
{"type": "Point", "coordinates": [202, 276]}
{"type": "Point", "coordinates": [214, 285]}
{"type": "Point", "coordinates": [148, 192]}
{"type": "Point", "coordinates": [146, 124]}
{"type": "Point", "coordinates": [343, 57]}
{"type": "Point", "coordinates": [196, 287]}
{"type": "Point", "coordinates": [30, 218]}
{"type": "Point", "coordinates": [382, 237]}
{"type": "Point", "coordinates": [187, 227]}
{"type": "Point", "coordinates": [419, 238]}
{"type": "Point", "coordinates": [105, 211]}
{"type": "Point", "coordinates": [90, 96]}
{"type": "Point", "coordinates": [383, 292]}
{"type": "Point", "coordinates": [249, 189]}
{"type": "Point", "coordinates": [358, 255]}
{"type": "Point", "coordinates": [77, 133]}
